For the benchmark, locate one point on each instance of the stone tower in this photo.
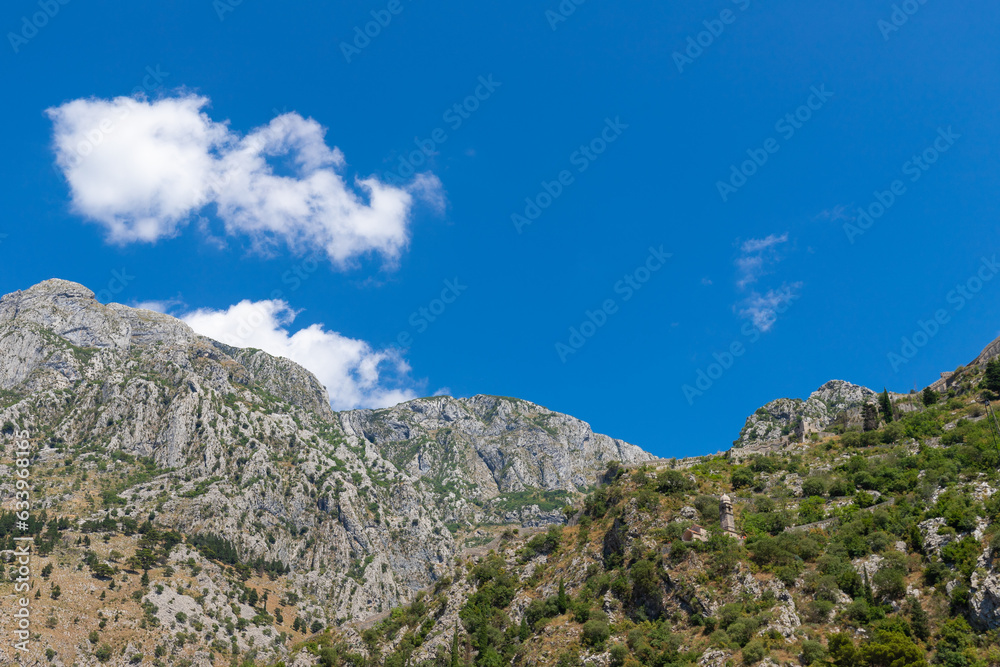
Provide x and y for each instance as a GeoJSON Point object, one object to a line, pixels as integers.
{"type": "Point", "coordinates": [726, 517]}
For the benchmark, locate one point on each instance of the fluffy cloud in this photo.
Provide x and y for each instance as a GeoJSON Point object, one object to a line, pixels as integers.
{"type": "Point", "coordinates": [143, 169]}
{"type": "Point", "coordinates": [355, 374]}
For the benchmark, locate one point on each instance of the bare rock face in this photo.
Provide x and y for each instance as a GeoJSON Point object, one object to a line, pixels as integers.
{"type": "Point", "coordinates": [984, 600]}
{"type": "Point", "coordinates": [238, 445]}
{"type": "Point", "coordinates": [479, 452]}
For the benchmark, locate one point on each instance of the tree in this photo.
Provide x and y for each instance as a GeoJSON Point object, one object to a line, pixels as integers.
{"type": "Point", "coordinates": [869, 416]}
{"type": "Point", "coordinates": [842, 650]}
{"type": "Point", "coordinates": [562, 600]}
{"type": "Point", "coordinates": [456, 656]}
{"type": "Point", "coordinates": [929, 396]}
{"type": "Point", "coordinates": [891, 649]}
{"type": "Point", "coordinates": [919, 620]}
{"type": "Point", "coordinates": [992, 377]}
{"type": "Point", "coordinates": [885, 403]}
{"type": "Point", "coordinates": [673, 482]}
{"type": "Point", "coordinates": [741, 477]}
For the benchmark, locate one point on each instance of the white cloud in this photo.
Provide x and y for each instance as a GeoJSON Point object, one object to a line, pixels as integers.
{"type": "Point", "coordinates": [838, 212]}
{"type": "Point", "coordinates": [144, 169]}
{"type": "Point", "coordinates": [759, 245]}
{"type": "Point", "coordinates": [756, 256]}
{"type": "Point", "coordinates": [763, 309]}
{"type": "Point", "coordinates": [355, 374]}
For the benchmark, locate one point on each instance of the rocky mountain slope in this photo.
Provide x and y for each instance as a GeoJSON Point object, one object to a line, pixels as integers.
{"type": "Point", "coordinates": [145, 434]}
{"type": "Point", "coordinates": [485, 455]}
{"type": "Point", "coordinates": [195, 504]}
{"type": "Point", "coordinates": [877, 548]}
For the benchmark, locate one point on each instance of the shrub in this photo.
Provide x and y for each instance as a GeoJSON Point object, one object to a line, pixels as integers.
{"type": "Point", "coordinates": [818, 611]}
{"type": "Point", "coordinates": [618, 654]}
{"type": "Point", "coordinates": [741, 478]}
{"type": "Point", "coordinates": [673, 482]}
{"type": "Point", "coordinates": [812, 651]}
{"type": "Point", "coordinates": [595, 632]}
{"type": "Point", "coordinates": [103, 653]}
{"type": "Point", "coordinates": [754, 652]}
{"type": "Point", "coordinates": [814, 486]}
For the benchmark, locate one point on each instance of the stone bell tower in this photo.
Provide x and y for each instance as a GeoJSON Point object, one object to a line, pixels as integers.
{"type": "Point", "coordinates": [726, 517]}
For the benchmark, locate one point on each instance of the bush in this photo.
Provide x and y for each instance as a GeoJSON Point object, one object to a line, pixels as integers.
{"type": "Point", "coordinates": [618, 654]}
{"type": "Point", "coordinates": [741, 478]}
{"type": "Point", "coordinates": [889, 583]}
{"type": "Point", "coordinates": [595, 632]}
{"type": "Point", "coordinates": [673, 482]}
{"type": "Point", "coordinates": [754, 652]}
{"type": "Point", "coordinates": [103, 653]}
{"type": "Point", "coordinates": [814, 486]}
{"type": "Point", "coordinates": [812, 651]}
{"type": "Point", "coordinates": [545, 543]}
{"type": "Point", "coordinates": [818, 611]}
{"type": "Point", "coordinates": [720, 639]}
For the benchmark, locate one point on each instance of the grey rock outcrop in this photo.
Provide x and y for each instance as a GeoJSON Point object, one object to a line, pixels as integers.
{"type": "Point", "coordinates": [774, 424]}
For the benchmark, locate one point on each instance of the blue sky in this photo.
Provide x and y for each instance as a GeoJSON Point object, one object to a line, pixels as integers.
{"type": "Point", "coordinates": [268, 183]}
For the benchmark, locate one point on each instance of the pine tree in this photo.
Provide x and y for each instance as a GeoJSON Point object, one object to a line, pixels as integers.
{"type": "Point", "coordinates": [886, 404]}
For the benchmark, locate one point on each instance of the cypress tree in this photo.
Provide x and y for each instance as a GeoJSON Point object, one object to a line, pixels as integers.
{"type": "Point", "coordinates": [456, 658]}
{"type": "Point", "coordinates": [562, 600]}
{"type": "Point", "coordinates": [886, 404]}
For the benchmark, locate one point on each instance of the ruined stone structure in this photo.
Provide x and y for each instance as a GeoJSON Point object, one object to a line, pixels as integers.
{"type": "Point", "coordinates": [726, 517]}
